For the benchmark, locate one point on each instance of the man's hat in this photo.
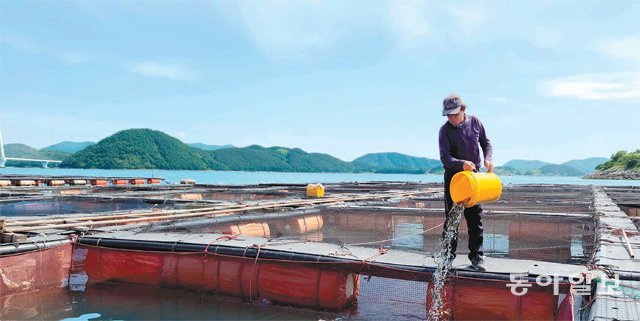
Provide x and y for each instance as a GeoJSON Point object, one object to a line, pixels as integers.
{"type": "Point", "coordinates": [452, 104]}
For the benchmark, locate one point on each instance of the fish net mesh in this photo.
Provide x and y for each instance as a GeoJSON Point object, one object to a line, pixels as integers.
{"type": "Point", "coordinates": [548, 223]}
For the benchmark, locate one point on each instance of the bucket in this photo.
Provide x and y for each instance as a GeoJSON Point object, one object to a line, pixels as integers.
{"type": "Point", "coordinates": [479, 188]}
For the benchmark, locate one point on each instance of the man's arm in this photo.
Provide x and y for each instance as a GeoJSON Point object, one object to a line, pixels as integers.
{"type": "Point", "coordinates": [445, 153]}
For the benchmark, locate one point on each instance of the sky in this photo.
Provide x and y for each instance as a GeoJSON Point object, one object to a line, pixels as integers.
{"type": "Point", "coordinates": [550, 80]}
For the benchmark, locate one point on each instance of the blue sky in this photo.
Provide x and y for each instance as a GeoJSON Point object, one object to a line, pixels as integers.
{"type": "Point", "coordinates": [551, 80]}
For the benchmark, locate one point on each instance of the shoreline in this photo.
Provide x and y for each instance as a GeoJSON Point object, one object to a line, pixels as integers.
{"type": "Point", "coordinates": [615, 174]}
{"type": "Point", "coordinates": [607, 175]}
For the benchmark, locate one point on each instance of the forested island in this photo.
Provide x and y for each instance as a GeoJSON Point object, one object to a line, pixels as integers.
{"type": "Point", "coordinates": [146, 148]}
{"type": "Point", "coordinates": [152, 149]}
{"type": "Point", "coordinates": [622, 165]}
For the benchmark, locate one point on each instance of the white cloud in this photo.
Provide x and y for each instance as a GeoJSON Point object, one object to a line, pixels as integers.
{"type": "Point", "coordinates": [20, 43]}
{"type": "Point", "coordinates": [304, 28]}
{"type": "Point", "coordinates": [600, 86]}
{"type": "Point", "coordinates": [622, 48]}
{"type": "Point", "coordinates": [72, 57]}
{"type": "Point", "coordinates": [417, 23]}
{"type": "Point", "coordinates": [33, 47]}
{"type": "Point", "coordinates": [163, 70]}
{"type": "Point", "coordinates": [469, 17]}
{"type": "Point", "coordinates": [409, 22]}
{"type": "Point", "coordinates": [294, 28]}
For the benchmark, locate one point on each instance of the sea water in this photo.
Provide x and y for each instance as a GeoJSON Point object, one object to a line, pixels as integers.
{"type": "Point", "coordinates": [238, 177]}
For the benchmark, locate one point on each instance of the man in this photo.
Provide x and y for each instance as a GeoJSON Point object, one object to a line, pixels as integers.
{"type": "Point", "coordinates": [460, 140]}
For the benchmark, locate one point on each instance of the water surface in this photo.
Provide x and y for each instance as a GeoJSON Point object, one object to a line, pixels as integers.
{"type": "Point", "coordinates": [234, 177]}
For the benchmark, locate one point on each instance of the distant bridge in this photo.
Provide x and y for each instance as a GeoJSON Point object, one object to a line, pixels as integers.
{"type": "Point", "coordinates": [3, 159]}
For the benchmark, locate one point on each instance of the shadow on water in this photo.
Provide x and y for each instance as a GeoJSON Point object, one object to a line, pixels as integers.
{"type": "Point", "coordinates": [121, 301]}
{"type": "Point", "coordinates": [380, 299]}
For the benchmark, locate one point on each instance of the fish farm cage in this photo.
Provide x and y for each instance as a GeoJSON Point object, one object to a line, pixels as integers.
{"type": "Point", "coordinates": [363, 251]}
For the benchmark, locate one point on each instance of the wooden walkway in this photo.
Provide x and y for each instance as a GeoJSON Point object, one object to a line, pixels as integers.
{"type": "Point", "coordinates": [618, 251]}
{"type": "Point", "coordinates": [93, 221]}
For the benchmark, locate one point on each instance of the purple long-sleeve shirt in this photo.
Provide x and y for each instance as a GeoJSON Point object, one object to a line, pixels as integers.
{"type": "Point", "coordinates": [462, 143]}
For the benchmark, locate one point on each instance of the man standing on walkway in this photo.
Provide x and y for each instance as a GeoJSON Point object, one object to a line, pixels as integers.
{"type": "Point", "coordinates": [461, 138]}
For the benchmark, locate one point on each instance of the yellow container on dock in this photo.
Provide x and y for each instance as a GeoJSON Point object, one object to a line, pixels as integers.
{"type": "Point", "coordinates": [478, 188]}
{"type": "Point", "coordinates": [315, 190]}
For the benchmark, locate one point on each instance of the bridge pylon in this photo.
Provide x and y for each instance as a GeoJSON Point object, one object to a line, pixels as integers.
{"type": "Point", "coordinates": [3, 159]}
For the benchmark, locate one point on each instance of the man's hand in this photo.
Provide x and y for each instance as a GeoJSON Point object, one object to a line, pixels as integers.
{"type": "Point", "coordinates": [469, 166]}
{"type": "Point", "coordinates": [489, 166]}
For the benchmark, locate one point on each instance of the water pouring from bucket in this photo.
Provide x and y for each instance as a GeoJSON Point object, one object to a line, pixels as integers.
{"type": "Point", "coordinates": [467, 189]}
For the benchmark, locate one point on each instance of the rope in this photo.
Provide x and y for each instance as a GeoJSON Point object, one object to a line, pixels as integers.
{"type": "Point", "coordinates": [255, 262]}
{"type": "Point", "coordinates": [342, 251]}
{"type": "Point", "coordinates": [206, 249]}
{"type": "Point", "coordinates": [365, 262]}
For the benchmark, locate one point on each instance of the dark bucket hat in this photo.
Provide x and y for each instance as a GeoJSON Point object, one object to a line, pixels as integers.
{"type": "Point", "coordinates": [452, 104]}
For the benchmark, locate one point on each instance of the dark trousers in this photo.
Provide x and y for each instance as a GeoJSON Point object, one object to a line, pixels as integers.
{"type": "Point", "coordinates": [473, 217]}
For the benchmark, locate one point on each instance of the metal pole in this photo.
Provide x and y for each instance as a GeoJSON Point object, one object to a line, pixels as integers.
{"type": "Point", "coordinates": [3, 159]}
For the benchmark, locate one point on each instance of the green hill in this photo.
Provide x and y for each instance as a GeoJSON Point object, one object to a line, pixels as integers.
{"type": "Point", "coordinates": [68, 147]}
{"type": "Point", "coordinates": [25, 151]}
{"type": "Point", "coordinates": [560, 170]}
{"type": "Point", "coordinates": [519, 164]}
{"type": "Point", "coordinates": [279, 159]}
{"type": "Point", "coordinates": [252, 158]}
{"type": "Point", "coordinates": [302, 161]}
{"type": "Point", "coordinates": [586, 165]}
{"type": "Point", "coordinates": [394, 163]}
{"type": "Point", "coordinates": [138, 149]}
{"type": "Point", "coordinates": [622, 160]}
{"type": "Point", "coordinates": [507, 170]}
{"type": "Point", "coordinates": [210, 147]}
{"type": "Point", "coordinates": [537, 168]}
{"type": "Point", "coordinates": [546, 170]}
{"type": "Point", "coordinates": [622, 165]}
{"type": "Point", "coordinates": [146, 148]}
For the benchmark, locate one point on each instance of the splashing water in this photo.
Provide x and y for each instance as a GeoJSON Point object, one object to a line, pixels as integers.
{"type": "Point", "coordinates": [444, 259]}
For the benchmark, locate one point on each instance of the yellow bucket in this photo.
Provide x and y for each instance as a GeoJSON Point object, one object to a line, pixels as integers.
{"type": "Point", "coordinates": [477, 187]}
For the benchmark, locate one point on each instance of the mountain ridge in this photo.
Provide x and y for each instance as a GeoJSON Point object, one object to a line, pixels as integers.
{"type": "Point", "coordinates": [209, 147]}
{"type": "Point", "coordinates": [147, 148]}
{"type": "Point", "coordinates": [68, 146]}
{"type": "Point", "coordinates": [18, 150]}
